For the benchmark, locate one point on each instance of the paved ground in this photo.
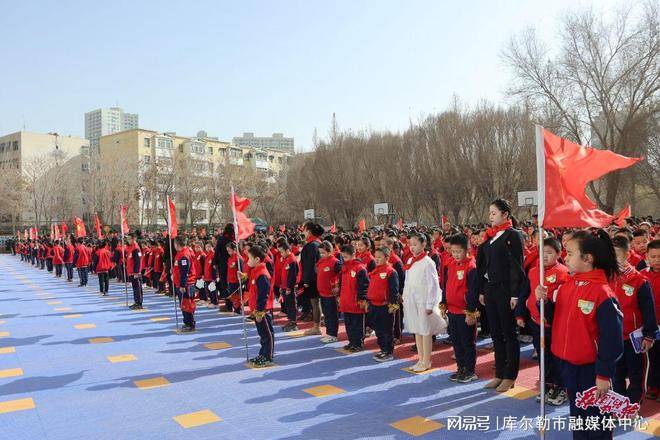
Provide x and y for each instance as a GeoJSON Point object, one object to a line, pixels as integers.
{"type": "Point", "coordinates": [74, 365]}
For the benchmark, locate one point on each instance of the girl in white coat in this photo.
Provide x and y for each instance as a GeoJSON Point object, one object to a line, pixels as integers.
{"type": "Point", "coordinates": [421, 299]}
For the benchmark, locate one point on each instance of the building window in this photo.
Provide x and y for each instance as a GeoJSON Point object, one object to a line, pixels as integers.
{"type": "Point", "coordinates": [2, 147]}
{"type": "Point", "coordinates": [147, 142]}
{"type": "Point", "coordinates": [181, 148]}
{"type": "Point", "coordinates": [147, 158]}
{"type": "Point", "coordinates": [85, 166]}
{"type": "Point", "coordinates": [210, 150]}
{"type": "Point", "coordinates": [15, 144]}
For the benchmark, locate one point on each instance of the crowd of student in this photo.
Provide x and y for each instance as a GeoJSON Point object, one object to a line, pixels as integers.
{"type": "Point", "coordinates": [598, 287]}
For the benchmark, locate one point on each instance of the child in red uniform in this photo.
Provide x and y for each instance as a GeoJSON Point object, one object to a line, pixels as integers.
{"type": "Point", "coordinates": [327, 279]}
{"type": "Point", "coordinates": [58, 258]}
{"type": "Point", "coordinates": [233, 300]}
{"type": "Point", "coordinates": [459, 305]}
{"type": "Point", "coordinates": [652, 274]}
{"type": "Point", "coordinates": [210, 276]}
{"type": "Point", "coordinates": [183, 279]}
{"type": "Point", "coordinates": [353, 297]}
{"type": "Point", "coordinates": [261, 305]}
{"type": "Point", "coordinates": [587, 335]}
{"type": "Point", "coordinates": [636, 301]}
{"type": "Point", "coordinates": [554, 275]}
{"type": "Point", "coordinates": [288, 278]}
{"type": "Point", "coordinates": [383, 296]}
{"type": "Point", "coordinates": [103, 265]}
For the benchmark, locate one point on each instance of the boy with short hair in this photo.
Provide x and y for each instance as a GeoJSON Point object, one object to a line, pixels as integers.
{"type": "Point", "coordinates": [354, 284]}
{"type": "Point", "coordinates": [261, 304]}
{"type": "Point", "coordinates": [383, 296]}
{"type": "Point", "coordinates": [459, 305]}
{"type": "Point", "coordinates": [652, 274]}
{"type": "Point", "coordinates": [288, 277]}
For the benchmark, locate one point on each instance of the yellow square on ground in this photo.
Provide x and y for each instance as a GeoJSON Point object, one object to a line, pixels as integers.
{"type": "Point", "coordinates": [52, 303]}
{"type": "Point", "coordinates": [122, 358]}
{"type": "Point", "coordinates": [7, 350]}
{"type": "Point", "coordinates": [16, 405]}
{"type": "Point", "coordinates": [62, 309]}
{"type": "Point", "coordinates": [653, 428]}
{"type": "Point", "coordinates": [160, 318]}
{"type": "Point", "coordinates": [139, 310]}
{"type": "Point", "coordinates": [198, 418]}
{"type": "Point", "coordinates": [4, 334]}
{"type": "Point", "coordinates": [11, 372]}
{"type": "Point", "coordinates": [324, 390]}
{"type": "Point", "coordinates": [520, 393]}
{"type": "Point", "coordinates": [76, 315]}
{"type": "Point", "coordinates": [296, 334]}
{"type": "Point", "coordinates": [84, 326]}
{"type": "Point", "coordinates": [216, 345]}
{"type": "Point", "coordinates": [417, 426]}
{"type": "Point", "coordinates": [154, 382]}
{"type": "Point", "coordinates": [100, 340]}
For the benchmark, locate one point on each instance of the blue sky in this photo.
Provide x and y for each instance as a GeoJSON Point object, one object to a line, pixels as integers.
{"type": "Point", "coordinates": [261, 66]}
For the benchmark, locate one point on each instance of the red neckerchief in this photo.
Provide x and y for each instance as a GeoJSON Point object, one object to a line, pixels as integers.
{"type": "Point", "coordinates": [491, 232]}
{"type": "Point", "coordinates": [596, 276]}
{"type": "Point", "coordinates": [312, 238]}
{"type": "Point", "coordinates": [414, 260]}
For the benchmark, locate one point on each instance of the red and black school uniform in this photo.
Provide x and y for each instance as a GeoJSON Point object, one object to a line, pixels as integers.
{"type": "Point", "coordinates": [103, 266]}
{"type": "Point", "coordinates": [635, 297]}
{"type": "Point", "coordinates": [397, 265]}
{"type": "Point", "coordinates": [58, 259]}
{"type": "Point", "coordinates": [383, 297]}
{"type": "Point", "coordinates": [352, 291]}
{"type": "Point", "coordinates": [654, 355]}
{"type": "Point", "coordinates": [145, 265]}
{"type": "Point", "coordinates": [288, 279]}
{"type": "Point", "coordinates": [183, 278]}
{"type": "Point", "coordinates": [527, 308]}
{"type": "Point", "coordinates": [198, 263]}
{"type": "Point", "coordinates": [157, 269]}
{"type": "Point", "coordinates": [587, 339]}
{"type": "Point", "coordinates": [461, 297]}
{"type": "Point", "coordinates": [636, 260]}
{"type": "Point", "coordinates": [277, 270]}
{"type": "Point", "coordinates": [327, 279]}
{"type": "Point", "coordinates": [260, 300]}
{"type": "Point", "coordinates": [119, 255]}
{"type": "Point", "coordinates": [134, 272]}
{"type": "Point", "coordinates": [41, 256]}
{"type": "Point", "coordinates": [210, 275]}
{"type": "Point", "coordinates": [233, 300]}
{"type": "Point", "coordinates": [69, 252]}
{"type": "Point", "coordinates": [81, 261]}
{"type": "Point", "coordinates": [309, 255]}
{"type": "Point", "coordinates": [49, 257]}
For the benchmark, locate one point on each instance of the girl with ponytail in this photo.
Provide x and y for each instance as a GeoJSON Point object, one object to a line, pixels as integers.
{"type": "Point", "coordinates": [587, 335]}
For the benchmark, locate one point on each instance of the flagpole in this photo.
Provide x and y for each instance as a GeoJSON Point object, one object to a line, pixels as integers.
{"type": "Point", "coordinates": [542, 331]}
{"type": "Point", "coordinates": [171, 277]}
{"type": "Point", "coordinates": [238, 262]}
{"type": "Point", "coordinates": [123, 258]}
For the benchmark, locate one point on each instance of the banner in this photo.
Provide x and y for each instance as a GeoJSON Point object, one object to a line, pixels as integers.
{"type": "Point", "coordinates": [123, 211]}
{"type": "Point", "coordinates": [97, 224]}
{"type": "Point", "coordinates": [173, 227]}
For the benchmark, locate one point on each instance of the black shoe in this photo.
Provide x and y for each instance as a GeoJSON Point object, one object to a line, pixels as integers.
{"type": "Point", "coordinates": [467, 377]}
{"type": "Point", "coordinates": [347, 347]}
{"type": "Point", "coordinates": [454, 377]}
{"type": "Point", "coordinates": [135, 307]}
{"type": "Point", "coordinates": [261, 362]}
{"type": "Point", "coordinates": [187, 329]}
{"type": "Point", "coordinates": [356, 349]}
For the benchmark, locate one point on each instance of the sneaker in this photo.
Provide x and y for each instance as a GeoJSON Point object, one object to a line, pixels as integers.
{"type": "Point", "coordinates": [560, 398]}
{"type": "Point", "coordinates": [454, 377]}
{"type": "Point", "coordinates": [356, 349]}
{"type": "Point", "coordinates": [262, 362]}
{"type": "Point", "coordinates": [467, 377]}
{"type": "Point", "coordinates": [135, 307]}
{"type": "Point", "coordinates": [525, 339]}
{"type": "Point", "coordinates": [551, 394]}
{"type": "Point", "coordinates": [347, 347]}
{"type": "Point", "coordinates": [312, 331]}
{"type": "Point", "coordinates": [385, 357]}
{"type": "Point", "coordinates": [378, 355]}
{"type": "Point", "coordinates": [254, 359]}
{"type": "Point", "coordinates": [329, 339]}
{"type": "Point", "coordinates": [187, 329]}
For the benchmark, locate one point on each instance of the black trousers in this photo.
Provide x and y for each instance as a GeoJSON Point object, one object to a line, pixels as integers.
{"type": "Point", "coordinates": [212, 294]}
{"type": "Point", "coordinates": [503, 332]}
{"type": "Point", "coordinates": [577, 378]}
{"type": "Point", "coordinates": [550, 363]}
{"type": "Point", "coordinates": [49, 264]}
{"type": "Point", "coordinates": [104, 282]}
{"type": "Point", "coordinates": [155, 280]}
{"type": "Point", "coordinates": [654, 365]}
{"type": "Point", "coordinates": [289, 305]}
{"type": "Point", "coordinates": [136, 284]}
{"type": "Point", "coordinates": [354, 323]}
{"type": "Point", "coordinates": [58, 270]}
{"type": "Point", "coordinates": [382, 322]}
{"type": "Point", "coordinates": [463, 338]}
{"type": "Point", "coordinates": [266, 336]}
{"type": "Point", "coordinates": [634, 367]}
{"type": "Point", "coordinates": [331, 313]}
{"type": "Point", "coordinates": [188, 318]}
{"type": "Point", "coordinates": [69, 271]}
{"type": "Point", "coordinates": [83, 274]}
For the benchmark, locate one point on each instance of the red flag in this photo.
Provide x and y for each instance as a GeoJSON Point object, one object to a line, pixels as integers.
{"type": "Point", "coordinates": [622, 216]}
{"type": "Point", "coordinates": [123, 211]}
{"type": "Point", "coordinates": [64, 228]}
{"type": "Point", "coordinates": [52, 232]}
{"type": "Point", "coordinates": [97, 223]}
{"type": "Point", "coordinates": [443, 219]}
{"type": "Point", "coordinates": [270, 229]}
{"type": "Point", "coordinates": [333, 229]}
{"type": "Point", "coordinates": [241, 203]}
{"type": "Point", "coordinates": [282, 228]}
{"type": "Point", "coordinates": [173, 227]}
{"type": "Point", "coordinates": [57, 232]}
{"type": "Point", "coordinates": [564, 169]}
{"type": "Point", "coordinates": [362, 225]}
{"type": "Point", "coordinates": [243, 224]}
{"type": "Point", "coordinates": [399, 223]}
{"type": "Point", "coordinates": [80, 227]}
